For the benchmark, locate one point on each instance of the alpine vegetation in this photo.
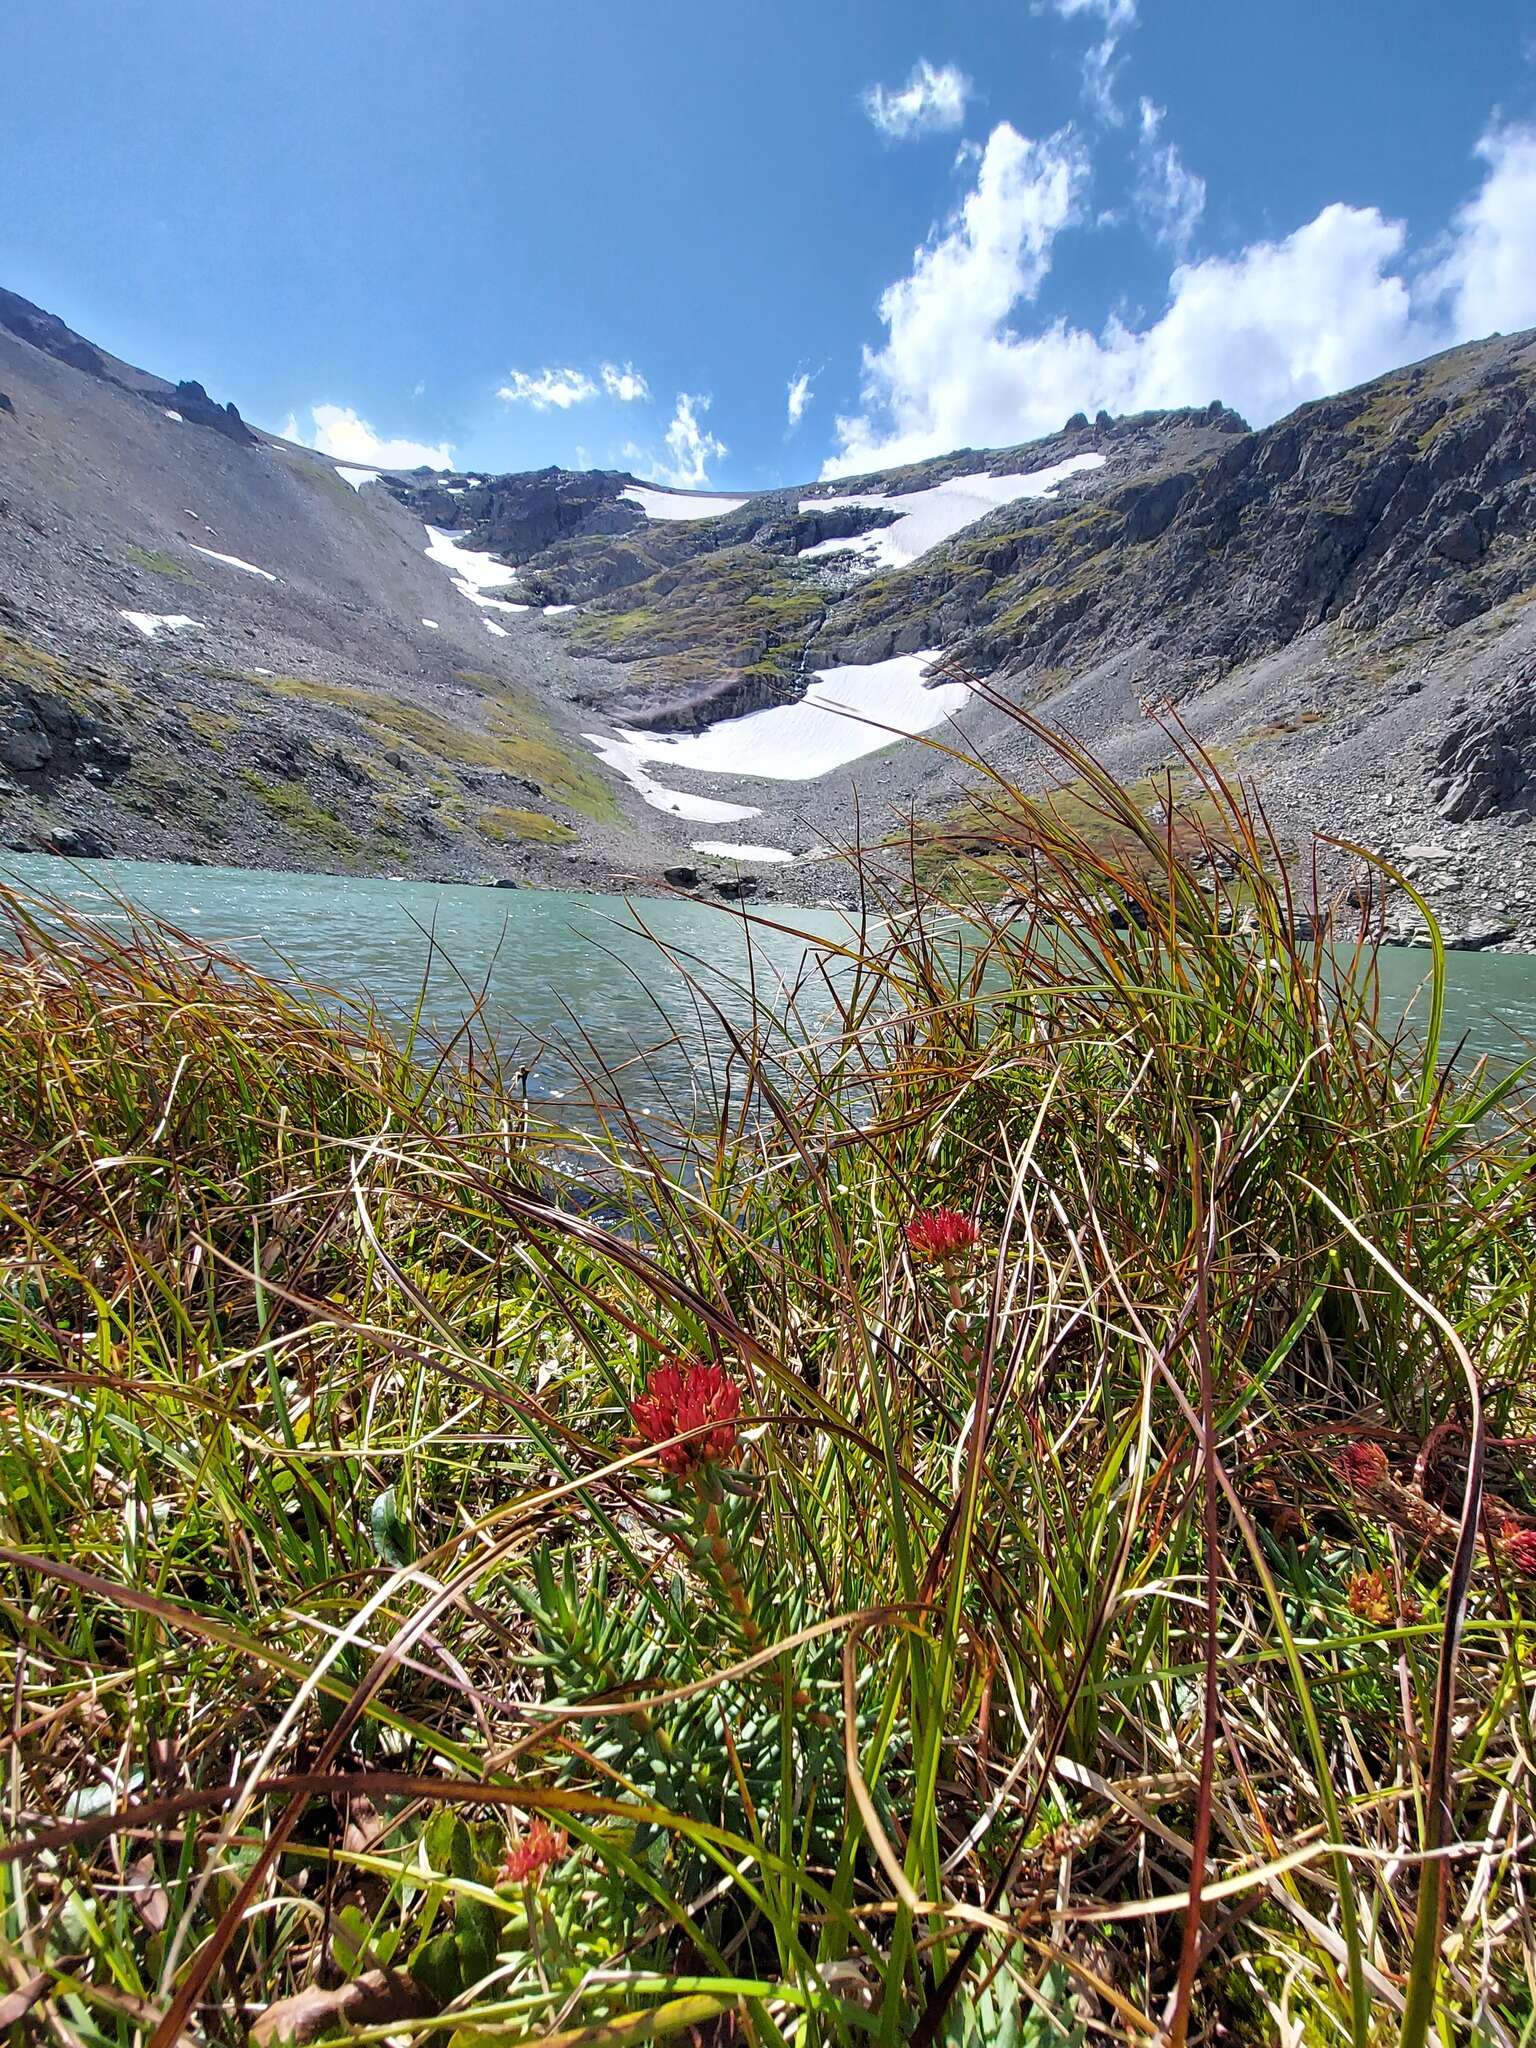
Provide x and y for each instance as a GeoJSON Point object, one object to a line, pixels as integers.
{"type": "Point", "coordinates": [1019, 1526]}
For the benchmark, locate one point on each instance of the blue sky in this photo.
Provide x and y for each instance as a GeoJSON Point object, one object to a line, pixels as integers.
{"type": "Point", "coordinates": [413, 227]}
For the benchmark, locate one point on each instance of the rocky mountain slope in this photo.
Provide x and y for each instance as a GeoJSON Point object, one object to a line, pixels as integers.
{"type": "Point", "coordinates": [216, 645]}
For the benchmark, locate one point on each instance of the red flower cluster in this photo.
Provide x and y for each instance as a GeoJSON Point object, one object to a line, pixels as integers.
{"type": "Point", "coordinates": [530, 1855]}
{"type": "Point", "coordinates": [1362, 1465]}
{"type": "Point", "coordinates": [686, 1395]}
{"type": "Point", "coordinates": [941, 1234]}
{"type": "Point", "coordinates": [1517, 1546]}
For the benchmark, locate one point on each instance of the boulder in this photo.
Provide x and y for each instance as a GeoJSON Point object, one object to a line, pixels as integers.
{"type": "Point", "coordinates": [681, 877]}
{"type": "Point", "coordinates": [79, 842]}
{"type": "Point", "coordinates": [736, 888]}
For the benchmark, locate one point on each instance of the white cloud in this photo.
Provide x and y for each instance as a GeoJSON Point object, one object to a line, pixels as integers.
{"type": "Point", "coordinates": [1169, 196]}
{"type": "Point", "coordinates": [1114, 17]}
{"type": "Point", "coordinates": [1115, 14]}
{"type": "Point", "coordinates": [1339, 300]}
{"type": "Point", "coordinates": [337, 430]}
{"type": "Point", "coordinates": [564, 388]}
{"type": "Point", "coordinates": [946, 344]}
{"type": "Point", "coordinates": [1490, 269]}
{"type": "Point", "coordinates": [626, 385]}
{"type": "Point", "coordinates": [543, 388]}
{"type": "Point", "coordinates": [690, 446]}
{"type": "Point", "coordinates": [931, 99]}
{"type": "Point", "coordinates": [799, 397]}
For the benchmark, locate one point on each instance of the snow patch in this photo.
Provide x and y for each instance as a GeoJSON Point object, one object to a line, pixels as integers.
{"type": "Point", "coordinates": [679, 504]}
{"type": "Point", "coordinates": [491, 626]}
{"type": "Point", "coordinates": [232, 562]}
{"type": "Point", "coordinates": [357, 477]}
{"type": "Point", "coordinates": [624, 759]}
{"type": "Point", "coordinates": [153, 624]}
{"type": "Point", "coordinates": [723, 850]}
{"type": "Point", "coordinates": [433, 624]}
{"type": "Point", "coordinates": [470, 564]}
{"type": "Point", "coordinates": [926, 518]}
{"type": "Point", "coordinates": [473, 572]}
{"type": "Point", "coordinates": [176, 416]}
{"type": "Point", "coordinates": [555, 611]}
{"type": "Point", "coordinates": [846, 713]}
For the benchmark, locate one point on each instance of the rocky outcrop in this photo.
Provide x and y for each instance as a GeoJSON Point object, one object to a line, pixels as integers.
{"type": "Point", "coordinates": [519, 517]}
{"type": "Point", "coordinates": [199, 410]}
{"type": "Point", "coordinates": [47, 332]}
{"type": "Point", "coordinates": [44, 738]}
{"type": "Point", "coordinates": [1484, 763]}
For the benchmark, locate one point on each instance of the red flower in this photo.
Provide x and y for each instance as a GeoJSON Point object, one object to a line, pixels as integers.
{"type": "Point", "coordinates": [1517, 1546]}
{"type": "Point", "coordinates": [530, 1855]}
{"type": "Point", "coordinates": [685, 1396]}
{"type": "Point", "coordinates": [941, 1234]}
{"type": "Point", "coordinates": [1363, 1466]}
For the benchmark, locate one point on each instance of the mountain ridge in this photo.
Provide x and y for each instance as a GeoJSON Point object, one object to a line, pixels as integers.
{"type": "Point", "coordinates": [215, 644]}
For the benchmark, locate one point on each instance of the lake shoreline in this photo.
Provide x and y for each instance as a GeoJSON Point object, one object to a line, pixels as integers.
{"type": "Point", "coordinates": [803, 884]}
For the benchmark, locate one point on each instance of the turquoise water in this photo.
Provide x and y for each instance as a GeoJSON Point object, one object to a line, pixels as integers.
{"type": "Point", "coordinates": [603, 975]}
{"type": "Point", "coordinates": [595, 970]}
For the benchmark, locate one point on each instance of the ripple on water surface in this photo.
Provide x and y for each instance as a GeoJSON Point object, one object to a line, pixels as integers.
{"type": "Point", "coordinates": [557, 964]}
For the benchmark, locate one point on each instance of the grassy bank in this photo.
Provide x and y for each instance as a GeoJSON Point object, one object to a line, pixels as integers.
{"type": "Point", "coordinates": [1015, 1532]}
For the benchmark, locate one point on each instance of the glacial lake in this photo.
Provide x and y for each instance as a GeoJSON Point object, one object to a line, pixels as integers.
{"type": "Point", "coordinates": [607, 972]}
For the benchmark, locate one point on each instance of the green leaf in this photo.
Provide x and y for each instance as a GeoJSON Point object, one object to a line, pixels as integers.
{"type": "Point", "coordinates": [449, 1845]}
{"type": "Point", "coordinates": [350, 1943]}
{"type": "Point", "coordinates": [393, 1539]}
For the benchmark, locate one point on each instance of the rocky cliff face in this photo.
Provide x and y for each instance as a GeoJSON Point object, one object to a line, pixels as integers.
{"type": "Point", "coordinates": [519, 517]}
{"type": "Point", "coordinates": [1336, 604]}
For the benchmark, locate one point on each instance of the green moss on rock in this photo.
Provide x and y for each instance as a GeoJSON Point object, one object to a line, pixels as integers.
{"type": "Point", "coordinates": [515, 739]}
{"type": "Point", "coordinates": [736, 611]}
{"type": "Point", "coordinates": [291, 804]}
{"type": "Point", "coordinates": [159, 564]}
{"type": "Point", "coordinates": [535, 828]}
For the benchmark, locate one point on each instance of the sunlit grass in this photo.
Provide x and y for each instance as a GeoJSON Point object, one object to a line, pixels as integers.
{"type": "Point", "coordinates": [1031, 1670]}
